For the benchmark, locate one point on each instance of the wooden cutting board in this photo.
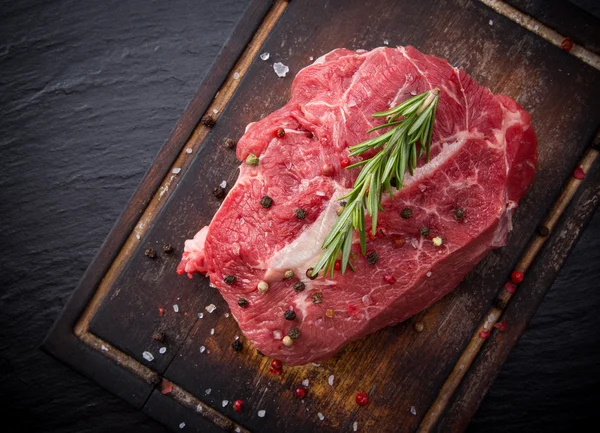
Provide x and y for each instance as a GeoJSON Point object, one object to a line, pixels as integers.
{"type": "Point", "coordinates": [429, 380]}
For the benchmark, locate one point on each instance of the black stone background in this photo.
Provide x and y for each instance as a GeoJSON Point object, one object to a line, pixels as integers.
{"type": "Point", "coordinates": [89, 91]}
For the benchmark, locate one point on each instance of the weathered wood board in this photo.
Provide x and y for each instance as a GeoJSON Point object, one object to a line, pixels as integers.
{"type": "Point", "coordinates": [117, 304]}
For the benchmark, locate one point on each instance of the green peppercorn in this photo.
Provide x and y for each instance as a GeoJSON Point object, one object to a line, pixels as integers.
{"type": "Point", "coordinates": [289, 315]}
{"type": "Point", "coordinates": [406, 213]}
{"type": "Point", "coordinates": [424, 231]}
{"type": "Point", "coordinates": [459, 214]}
{"type": "Point", "coordinates": [252, 159]}
{"type": "Point", "coordinates": [229, 279]}
{"type": "Point", "coordinates": [300, 213]}
{"type": "Point", "coordinates": [309, 274]}
{"type": "Point", "coordinates": [372, 257]}
{"type": "Point", "coordinates": [294, 333]}
{"type": "Point", "coordinates": [299, 286]}
{"type": "Point", "coordinates": [237, 346]}
{"type": "Point", "coordinates": [266, 202]}
{"type": "Point", "coordinates": [243, 302]}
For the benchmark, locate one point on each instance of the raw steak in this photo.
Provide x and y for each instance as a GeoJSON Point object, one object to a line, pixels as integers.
{"type": "Point", "coordinates": [482, 161]}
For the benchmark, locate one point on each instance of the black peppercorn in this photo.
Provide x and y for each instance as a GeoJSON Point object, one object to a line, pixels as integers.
{"type": "Point", "coordinates": [229, 143]}
{"type": "Point", "coordinates": [459, 214]}
{"type": "Point", "coordinates": [150, 253]}
{"type": "Point", "coordinates": [343, 203]}
{"type": "Point", "coordinates": [229, 279]}
{"type": "Point", "coordinates": [280, 132]}
{"type": "Point", "coordinates": [219, 192]}
{"type": "Point", "coordinates": [289, 315]}
{"type": "Point", "coordinates": [393, 182]}
{"type": "Point", "coordinates": [372, 257]}
{"type": "Point", "coordinates": [299, 286]}
{"type": "Point", "coordinates": [424, 231]}
{"type": "Point", "coordinates": [300, 213]}
{"type": "Point", "coordinates": [317, 298]}
{"type": "Point", "coordinates": [543, 230]}
{"type": "Point", "coordinates": [208, 120]}
{"type": "Point", "coordinates": [266, 202]}
{"type": "Point", "coordinates": [309, 274]}
{"type": "Point", "coordinates": [294, 333]}
{"type": "Point", "coordinates": [242, 302]}
{"type": "Point", "coordinates": [167, 248]}
{"type": "Point", "coordinates": [406, 213]}
{"type": "Point", "coordinates": [237, 346]}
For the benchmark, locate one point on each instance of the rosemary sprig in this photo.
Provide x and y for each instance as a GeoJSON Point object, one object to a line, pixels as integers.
{"type": "Point", "coordinates": [411, 126]}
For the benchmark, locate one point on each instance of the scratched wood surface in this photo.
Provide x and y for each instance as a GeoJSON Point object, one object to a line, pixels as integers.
{"type": "Point", "coordinates": [401, 368]}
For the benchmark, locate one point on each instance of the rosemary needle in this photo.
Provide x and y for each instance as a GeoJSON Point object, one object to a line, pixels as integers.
{"type": "Point", "coordinates": [409, 137]}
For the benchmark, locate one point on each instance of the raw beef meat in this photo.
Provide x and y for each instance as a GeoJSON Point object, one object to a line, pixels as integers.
{"type": "Point", "coordinates": [483, 158]}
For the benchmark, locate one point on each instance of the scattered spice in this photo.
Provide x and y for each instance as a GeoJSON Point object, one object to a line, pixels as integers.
{"type": "Point", "coordinates": [339, 210]}
{"type": "Point", "coordinates": [148, 356]}
{"type": "Point", "coordinates": [276, 364]}
{"type": "Point", "coordinates": [372, 257]}
{"type": "Point", "coordinates": [500, 326]}
{"type": "Point", "coordinates": [294, 333]}
{"type": "Point", "coordinates": [389, 279]}
{"type": "Point", "coordinates": [459, 214]}
{"type": "Point", "coordinates": [300, 392]}
{"type": "Point", "coordinates": [299, 286]}
{"type": "Point", "coordinates": [263, 287]}
{"type": "Point", "coordinates": [484, 334]}
{"type": "Point", "coordinates": [229, 143]}
{"type": "Point", "coordinates": [237, 346]}
{"type": "Point", "coordinates": [419, 327]}
{"type": "Point", "coordinates": [266, 201]}
{"type": "Point", "coordinates": [398, 243]}
{"type": "Point", "coordinates": [300, 213]}
{"type": "Point", "coordinates": [166, 387]}
{"type": "Point", "coordinates": [352, 310]}
{"type": "Point", "coordinates": [327, 169]}
{"type": "Point", "coordinates": [517, 277]}
{"type": "Point", "coordinates": [406, 213]}
{"type": "Point", "coordinates": [158, 336]}
{"type": "Point", "coordinates": [362, 399]}
{"type": "Point", "coordinates": [510, 287]}
{"type": "Point", "coordinates": [309, 274]}
{"type": "Point", "coordinates": [167, 248]}
{"type": "Point", "coordinates": [345, 162]}
{"type": "Point", "coordinates": [208, 120]}
{"type": "Point", "coordinates": [289, 315]}
{"type": "Point", "coordinates": [567, 44]}
{"type": "Point", "coordinates": [543, 230]}
{"type": "Point", "coordinates": [287, 341]}
{"type": "Point", "coordinates": [317, 298]}
{"type": "Point", "coordinates": [243, 302]}
{"type": "Point", "coordinates": [238, 405]}
{"type": "Point", "coordinates": [252, 159]}
{"type": "Point", "coordinates": [437, 241]}
{"type": "Point", "coordinates": [150, 253]}
{"type": "Point", "coordinates": [229, 279]}
{"type": "Point", "coordinates": [288, 274]}
{"type": "Point", "coordinates": [329, 313]}
{"type": "Point", "coordinates": [280, 132]}
{"type": "Point", "coordinates": [219, 192]}
{"type": "Point", "coordinates": [579, 173]}
{"type": "Point", "coordinates": [424, 231]}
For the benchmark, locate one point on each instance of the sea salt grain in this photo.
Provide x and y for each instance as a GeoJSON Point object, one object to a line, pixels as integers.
{"type": "Point", "coordinates": [236, 76]}
{"type": "Point", "coordinates": [176, 170]}
{"type": "Point", "coordinates": [265, 56]}
{"type": "Point", "coordinates": [321, 416]}
{"type": "Point", "coordinates": [210, 308]}
{"type": "Point", "coordinates": [208, 391]}
{"type": "Point", "coordinates": [212, 331]}
{"type": "Point", "coordinates": [104, 348]}
{"type": "Point", "coordinates": [386, 42]}
{"type": "Point", "coordinates": [188, 150]}
{"type": "Point", "coordinates": [413, 410]}
{"type": "Point", "coordinates": [330, 380]}
{"type": "Point", "coordinates": [237, 337]}
{"type": "Point", "coordinates": [148, 356]}
{"type": "Point", "coordinates": [176, 308]}
{"type": "Point", "coordinates": [355, 426]}
{"type": "Point", "coordinates": [182, 425]}
{"type": "Point", "coordinates": [262, 413]}
{"type": "Point", "coordinates": [305, 382]}
{"type": "Point", "coordinates": [316, 365]}
{"type": "Point", "coordinates": [200, 315]}
{"type": "Point", "coordinates": [226, 315]}
{"type": "Point", "coordinates": [223, 184]}
{"type": "Point", "coordinates": [202, 349]}
{"type": "Point", "coordinates": [277, 335]}
{"type": "Point", "coordinates": [162, 350]}
{"type": "Point", "coordinates": [428, 274]}
{"type": "Point", "coordinates": [215, 110]}
{"type": "Point", "coordinates": [491, 22]}
{"type": "Point", "coordinates": [225, 403]}
{"type": "Point", "coordinates": [237, 430]}
{"type": "Point", "coordinates": [280, 69]}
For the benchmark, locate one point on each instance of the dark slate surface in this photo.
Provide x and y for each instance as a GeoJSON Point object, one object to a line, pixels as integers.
{"type": "Point", "coordinates": [88, 94]}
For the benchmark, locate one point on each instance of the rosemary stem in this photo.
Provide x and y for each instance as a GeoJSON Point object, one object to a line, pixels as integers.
{"type": "Point", "coordinates": [427, 102]}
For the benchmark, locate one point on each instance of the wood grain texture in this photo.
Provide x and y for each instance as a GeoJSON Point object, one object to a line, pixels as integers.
{"type": "Point", "coordinates": [401, 368]}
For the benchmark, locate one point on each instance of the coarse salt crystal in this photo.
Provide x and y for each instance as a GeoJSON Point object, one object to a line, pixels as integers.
{"type": "Point", "coordinates": [386, 42]}
{"type": "Point", "coordinates": [199, 408]}
{"type": "Point", "coordinates": [212, 285]}
{"type": "Point", "coordinates": [215, 110]}
{"type": "Point", "coordinates": [237, 430]}
{"type": "Point", "coordinates": [208, 391]}
{"type": "Point", "coordinates": [176, 308]}
{"type": "Point", "coordinates": [262, 413]}
{"type": "Point", "coordinates": [367, 300]}
{"type": "Point", "coordinates": [305, 382]}
{"type": "Point", "coordinates": [176, 170]}
{"type": "Point", "coordinates": [330, 380]}
{"type": "Point", "coordinates": [237, 337]}
{"type": "Point", "coordinates": [491, 23]}
{"type": "Point", "coordinates": [311, 58]}
{"type": "Point", "coordinates": [428, 274]}
{"type": "Point", "coordinates": [414, 243]}
{"type": "Point", "coordinates": [277, 335]}
{"type": "Point", "coordinates": [188, 150]}
{"type": "Point", "coordinates": [236, 76]}
{"type": "Point", "coordinates": [320, 193]}
{"type": "Point", "coordinates": [280, 69]}
{"type": "Point", "coordinates": [210, 308]}
{"type": "Point", "coordinates": [225, 403]}
{"type": "Point", "coordinates": [223, 184]}
{"type": "Point", "coordinates": [316, 365]}
{"type": "Point", "coordinates": [202, 349]}
{"type": "Point", "coordinates": [422, 187]}
{"type": "Point", "coordinates": [162, 350]}
{"type": "Point", "coordinates": [226, 315]}
{"type": "Point", "coordinates": [103, 347]}
{"type": "Point", "coordinates": [321, 416]}
{"type": "Point", "coordinates": [212, 331]}
{"type": "Point", "coordinates": [413, 410]}
{"type": "Point", "coordinates": [148, 356]}
{"type": "Point", "coordinates": [265, 56]}
{"type": "Point", "coordinates": [355, 426]}
{"type": "Point", "coordinates": [137, 236]}
{"type": "Point", "coordinates": [182, 425]}
{"type": "Point", "coordinates": [200, 315]}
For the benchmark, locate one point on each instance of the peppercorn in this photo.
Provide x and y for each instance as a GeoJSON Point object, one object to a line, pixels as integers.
{"type": "Point", "coordinates": [167, 248]}
{"type": "Point", "coordinates": [229, 143]}
{"type": "Point", "coordinates": [424, 231]}
{"type": "Point", "coordinates": [343, 203]}
{"type": "Point", "coordinates": [437, 241]}
{"type": "Point", "coordinates": [517, 277]}
{"type": "Point", "coordinates": [263, 287]}
{"type": "Point", "coordinates": [288, 274]}
{"type": "Point", "coordinates": [459, 214]}
{"type": "Point", "coordinates": [419, 327]}
{"type": "Point", "coordinates": [300, 213]}
{"type": "Point", "coordinates": [372, 257]}
{"type": "Point", "coordinates": [543, 230]}
{"type": "Point", "coordinates": [150, 253]}
{"type": "Point", "coordinates": [362, 398]}
{"type": "Point", "coordinates": [289, 315]}
{"type": "Point", "coordinates": [567, 44]}
{"type": "Point", "coordinates": [229, 279]}
{"type": "Point", "coordinates": [393, 182]}
{"type": "Point", "coordinates": [309, 274]}
{"type": "Point", "coordinates": [266, 201]}
{"type": "Point", "coordinates": [294, 333]}
{"type": "Point", "coordinates": [237, 346]}
{"type": "Point", "coordinates": [252, 159]}
{"type": "Point", "coordinates": [208, 121]}
{"type": "Point", "coordinates": [317, 298]}
{"type": "Point", "coordinates": [300, 392]}
{"type": "Point", "coordinates": [406, 213]}
{"type": "Point", "coordinates": [158, 336]}
{"type": "Point", "coordinates": [280, 132]}
{"type": "Point", "coordinates": [243, 302]}
{"type": "Point", "coordinates": [287, 341]}
{"type": "Point", "coordinates": [219, 192]}
{"type": "Point", "coordinates": [299, 286]}
{"type": "Point", "coordinates": [238, 405]}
